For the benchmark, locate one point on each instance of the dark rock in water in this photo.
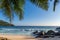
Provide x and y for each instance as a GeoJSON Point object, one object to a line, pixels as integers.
{"type": "Point", "coordinates": [40, 34]}
{"type": "Point", "coordinates": [51, 33]}
{"type": "Point", "coordinates": [57, 34]}
{"type": "Point", "coordinates": [35, 32]}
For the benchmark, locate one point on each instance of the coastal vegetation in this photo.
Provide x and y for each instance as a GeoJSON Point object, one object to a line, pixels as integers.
{"type": "Point", "coordinates": [11, 7]}
{"type": "Point", "coordinates": [3, 23]}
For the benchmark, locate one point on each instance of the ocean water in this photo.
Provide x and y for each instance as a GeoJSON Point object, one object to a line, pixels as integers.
{"type": "Point", "coordinates": [24, 30]}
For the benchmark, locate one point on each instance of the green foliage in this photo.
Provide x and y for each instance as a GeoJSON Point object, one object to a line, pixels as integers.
{"type": "Point", "coordinates": [44, 3]}
{"type": "Point", "coordinates": [3, 23]}
{"type": "Point", "coordinates": [41, 3]}
{"type": "Point", "coordinates": [10, 6]}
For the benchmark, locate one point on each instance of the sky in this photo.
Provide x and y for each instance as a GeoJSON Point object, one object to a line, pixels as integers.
{"type": "Point", "coordinates": [36, 16]}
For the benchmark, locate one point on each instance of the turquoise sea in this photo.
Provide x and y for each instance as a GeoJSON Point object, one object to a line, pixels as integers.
{"type": "Point", "coordinates": [24, 30]}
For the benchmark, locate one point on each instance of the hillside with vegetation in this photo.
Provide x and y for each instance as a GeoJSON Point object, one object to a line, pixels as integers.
{"type": "Point", "coordinates": [3, 23]}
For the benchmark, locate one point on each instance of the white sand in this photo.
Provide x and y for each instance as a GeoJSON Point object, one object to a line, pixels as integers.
{"type": "Point", "coordinates": [18, 37]}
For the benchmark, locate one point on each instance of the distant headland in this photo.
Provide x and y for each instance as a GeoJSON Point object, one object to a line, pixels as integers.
{"type": "Point", "coordinates": [3, 23]}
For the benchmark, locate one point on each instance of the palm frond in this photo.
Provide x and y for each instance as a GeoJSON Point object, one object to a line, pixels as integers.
{"type": "Point", "coordinates": [9, 6]}
{"type": "Point", "coordinates": [41, 3]}
{"type": "Point", "coordinates": [18, 7]}
{"type": "Point", "coordinates": [6, 8]}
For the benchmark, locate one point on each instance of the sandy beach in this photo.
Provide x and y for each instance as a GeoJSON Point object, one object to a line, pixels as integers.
{"type": "Point", "coordinates": [20, 37]}
{"type": "Point", "coordinates": [17, 37]}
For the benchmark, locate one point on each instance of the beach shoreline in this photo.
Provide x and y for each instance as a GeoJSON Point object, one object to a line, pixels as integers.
{"type": "Point", "coordinates": [17, 37]}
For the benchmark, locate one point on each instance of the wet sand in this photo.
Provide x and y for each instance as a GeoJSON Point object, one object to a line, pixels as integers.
{"type": "Point", "coordinates": [55, 38]}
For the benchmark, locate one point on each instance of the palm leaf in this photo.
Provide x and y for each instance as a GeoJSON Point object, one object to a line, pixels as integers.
{"type": "Point", "coordinates": [41, 3]}
{"type": "Point", "coordinates": [18, 7]}
{"type": "Point", "coordinates": [9, 6]}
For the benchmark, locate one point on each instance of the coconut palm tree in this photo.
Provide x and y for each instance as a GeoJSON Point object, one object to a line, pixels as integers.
{"type": "Point", "coordinates": [10, 6]}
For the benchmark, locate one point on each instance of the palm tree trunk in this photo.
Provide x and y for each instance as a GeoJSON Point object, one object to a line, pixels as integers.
{"type": "Point", "coordinates": [11, 20]}
{"type": "Point", "coordinates": [55, 3]}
